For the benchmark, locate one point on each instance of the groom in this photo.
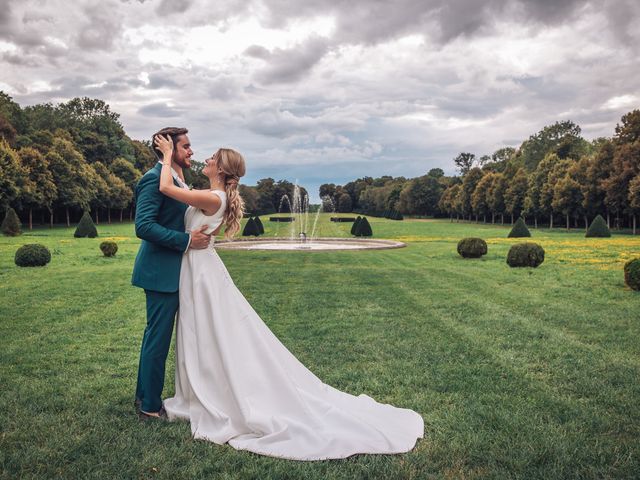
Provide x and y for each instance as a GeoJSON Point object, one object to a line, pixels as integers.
{"type": "Point", "coordinates": [160, 225]}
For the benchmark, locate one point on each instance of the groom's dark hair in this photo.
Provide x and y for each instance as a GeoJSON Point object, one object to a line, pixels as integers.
{"type": "Point", "coordinates": [173, 132]}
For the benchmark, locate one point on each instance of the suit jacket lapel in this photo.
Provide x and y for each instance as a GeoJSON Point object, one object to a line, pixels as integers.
{"type": "Point", "coordinates": [158, 167]}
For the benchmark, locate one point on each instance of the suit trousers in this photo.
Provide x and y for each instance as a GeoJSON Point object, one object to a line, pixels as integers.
{"type": "Point", "coordinates": [161, 313]}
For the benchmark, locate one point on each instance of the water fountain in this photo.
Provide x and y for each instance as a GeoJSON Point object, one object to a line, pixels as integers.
{"type": "Point", "coordinates": [300, 238]}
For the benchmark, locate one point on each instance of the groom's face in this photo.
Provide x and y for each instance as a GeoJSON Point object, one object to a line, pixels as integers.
{"type": "Point", "coordinates": [183, 152]}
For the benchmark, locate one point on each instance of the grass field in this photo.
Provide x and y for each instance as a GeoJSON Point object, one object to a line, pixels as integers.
{"type": "Point", "coordinates": [518, 373]}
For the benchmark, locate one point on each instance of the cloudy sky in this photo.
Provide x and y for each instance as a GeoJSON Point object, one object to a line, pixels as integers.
{"type": "Point", "coordinates": [328, 91]}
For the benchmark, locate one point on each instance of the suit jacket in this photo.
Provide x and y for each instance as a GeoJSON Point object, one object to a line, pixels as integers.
{"type": "Point", "coordinates": [160, 225]}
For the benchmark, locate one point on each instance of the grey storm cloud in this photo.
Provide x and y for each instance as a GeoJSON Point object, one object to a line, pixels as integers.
{"type": "Point", "coordinates": [173, 7]}
{"type": "Point", "coordinates": [392, 87]}
{"type": "Point", "coordinates": [102, 28]}
{"type": "Point", "coordinates": [161, 110]}
{"type": "Point", "coordinates": [375, 20]}
{"type": "Point", "coordinates": [289, 65]}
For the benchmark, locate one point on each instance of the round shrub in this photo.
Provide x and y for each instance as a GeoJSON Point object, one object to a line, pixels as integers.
{"type": "Point", "coordinates": [108, 248]}
{"type": "Point", "coordinates": [11, 223]}
{"type": "Point", "coordinates": [472, 247]}
{"type": "Point", "coordinates": [632, 273]}
{"type": "Point", "coordinates": [519, 230]}
{"type": "Point", "coordinates": [86, 227]}
{"type": "Point", "coordinates": [32, 255]}
{"type": "Point", "coordinates": [598, 228]}
{"type": "Point", "coordinates": [526, 254]}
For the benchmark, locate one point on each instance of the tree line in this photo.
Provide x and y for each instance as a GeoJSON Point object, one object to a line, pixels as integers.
{"type": "Point", "coordinates": [555, 177]}
{"type": "Point", "coordinates": [58, 161]}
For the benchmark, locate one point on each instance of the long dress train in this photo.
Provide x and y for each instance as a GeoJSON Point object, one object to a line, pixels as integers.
{"type": "Point", "coordinates": [237, 383]}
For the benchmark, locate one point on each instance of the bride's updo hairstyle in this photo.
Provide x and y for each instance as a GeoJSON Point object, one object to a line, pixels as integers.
{"type": "Point", "coordinates": [232, 165]}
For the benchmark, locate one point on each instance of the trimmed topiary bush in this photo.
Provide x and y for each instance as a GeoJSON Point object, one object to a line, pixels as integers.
{"type": "Point", "coordinates": [259, 225]}
{"type": "Point", "coordinates": [109, 248]}
{"type": "Point", "coordinates": [86, 227]}
{"type": "Point", "coordinates": [527, 254]}
{"type": "Point", "coordinates": [251, 229]}
{"type": "Point", "coordinates": [472, 247]}
{"type": "Point", "coordinates": [11, 223]}
{"type": "Point", "coordinates": [32, 255]}
{"type": "Point", "coordinates": [598, 228]}
{"type": "Point", "coordinates": [355, 225]}
{"type": "Point", "coordinates": [632, 273]}
{"type": "Point", "coordinates": [363, 229]}
{"type": "Point", "coordinates": [519, 230]}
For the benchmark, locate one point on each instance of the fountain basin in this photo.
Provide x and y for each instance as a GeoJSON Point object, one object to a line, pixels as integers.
{"type": "Point", "coordinates": [320, 244]}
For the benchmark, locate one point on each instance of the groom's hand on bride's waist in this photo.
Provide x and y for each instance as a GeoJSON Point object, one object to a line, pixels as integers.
{"type": "Point", "coordinates": [199, 239]}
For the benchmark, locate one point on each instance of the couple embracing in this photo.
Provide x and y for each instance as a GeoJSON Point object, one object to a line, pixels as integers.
{"type": "Point", "coordinates": [235, 381]}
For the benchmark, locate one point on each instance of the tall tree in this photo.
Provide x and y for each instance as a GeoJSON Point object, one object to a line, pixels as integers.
{"type": "Point", "coordinates": [626, 165]}
{"type": "Point", "coordinates": [515, 194]}
{"type": "Point", "coordinates": [598, 170]}
{"type": "Point", "coordinates": [344, 203]}
{"type": "Point", "coordinates": [104, 195]}
{"type": "Point", "coordinates": [628, 130]}
{"type": "Point", "coordinates": [469, 184]}
{"type": "Point", "coordinates": [557, 172]}
{"type": "Point", "coordinates": [250, 196]}
{"type": "Point", "coordinates": [480, 196]}
{"type": "Point", "coordinates": [42, 190]}
{"type": "Point", "coordinates": [567, 198]}
{"type": "Point", "coordinates": [12, 174]}
{"type": "Point", "coordinates": [464, 162]}
{"type": "Point", "coordinates": [495, 195]}
{"type": "Point", "coordinates": [421, 195]}
{"type": "Point", "coordinates": [74, 180]}
{"type": "Point", "coordinates": [634, 200]}
{"type": "Point", "coordinates": [562, 138]}
{"type": "Point", "coordinates": [144, 157]}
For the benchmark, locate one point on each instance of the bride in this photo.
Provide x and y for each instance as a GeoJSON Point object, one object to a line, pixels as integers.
{"type": "Point", "coordinates": [235, 381]}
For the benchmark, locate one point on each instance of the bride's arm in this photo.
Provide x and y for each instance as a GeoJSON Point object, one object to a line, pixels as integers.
{"type": "Point", "coordinates": [197, 198]}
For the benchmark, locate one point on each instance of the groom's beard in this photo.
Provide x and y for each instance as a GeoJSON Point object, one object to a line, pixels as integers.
{"type": "Point", "coordinates": [183, 163]}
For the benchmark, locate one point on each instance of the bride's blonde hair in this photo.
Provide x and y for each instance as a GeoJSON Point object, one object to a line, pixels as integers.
{"type": "Point", "coordinates": [232, 165]}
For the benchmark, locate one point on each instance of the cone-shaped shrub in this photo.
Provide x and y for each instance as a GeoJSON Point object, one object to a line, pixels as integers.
{"type": "Point", "coordinates": [354, 227]}
{"type": "Point", "coordinates": [11, 223]}
{"type": "Point", "coordinates": [519, 230]}
{"type": "Point", "coordinates": [472, 247]}
{"type": "Point", "coordinates": [632, 273]}
{"type": "Point", "coordinates": [259, 225]}
{"type": "Point", "coordinates": [108, 248]}
{"type": "Point", "coordinates": [363, 229]}
{"type": "Point", "coordinates": [598, 228]}
{"type": "Point", "coordinates": [526, 254]}
{"type": "Point", "coordinates": [250, 229]}
{"type": "Point", "coordinates": [32, 255]}
{"type": "Point", "coordinates": [86, 227]}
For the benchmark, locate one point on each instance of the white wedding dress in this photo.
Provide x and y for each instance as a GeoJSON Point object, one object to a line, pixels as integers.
{"type": "Point", "coordinates": [236, 383]}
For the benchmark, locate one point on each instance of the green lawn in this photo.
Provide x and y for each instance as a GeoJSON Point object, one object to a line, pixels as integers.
{"type": "Point", "coordinates": [518, 373]}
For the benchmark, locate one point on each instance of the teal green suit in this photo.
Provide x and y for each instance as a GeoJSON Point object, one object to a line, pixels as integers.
{"type": "Point", "coordinates": [160, 225]}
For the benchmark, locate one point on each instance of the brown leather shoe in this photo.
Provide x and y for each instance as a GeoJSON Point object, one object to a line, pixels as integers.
{"type": "Point", "coordinates": [162, 415]}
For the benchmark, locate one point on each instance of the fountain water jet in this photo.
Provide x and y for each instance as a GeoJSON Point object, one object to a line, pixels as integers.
{"type": "Point", "coordinates": [299, 237]}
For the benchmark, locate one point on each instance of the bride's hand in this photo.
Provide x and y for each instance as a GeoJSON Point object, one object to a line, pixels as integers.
{"type": "Point", "coordinates": [165, 145]}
